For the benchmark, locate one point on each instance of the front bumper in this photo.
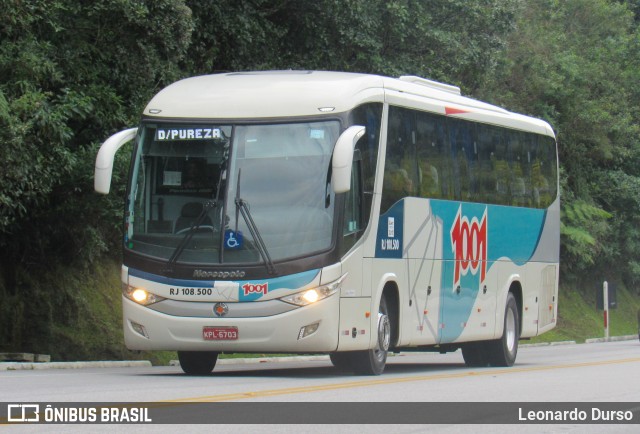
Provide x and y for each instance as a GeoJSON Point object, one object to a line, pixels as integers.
{"type": "Point", "coordinates": [276, 333]}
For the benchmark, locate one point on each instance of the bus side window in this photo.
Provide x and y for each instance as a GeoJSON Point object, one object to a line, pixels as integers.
{"type": "Point", "coordinates": [432, 157]}
{"type": "Point", "coordinates": [464, 154]}
{"type": "Point", "coordinates": [369, 115]}
{"type": "Point", "coordinates": [400, 169]}
{"type": "Point", "coordinates": [487, 179]}
{"type": "Point", "coordinates": [543, 171]}
{"type": "Point", "coordinates": [500, 167]}
{"type": "Point", "coordinates": [529, 144]}
{"type": "Point", "coordinates": [354, 222]}
{"type": "Point", "coordinates": [353, 208]}
{"type": "Point", "coordinates": [359, 198]}
{"type": "Point", "coordinates": [519, 184]}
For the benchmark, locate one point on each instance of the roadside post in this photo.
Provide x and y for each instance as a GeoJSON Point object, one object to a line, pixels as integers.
{"type": "Point", "coordinates": [606, 299]}
{"type": "Point", "coordinates": [605, 303]}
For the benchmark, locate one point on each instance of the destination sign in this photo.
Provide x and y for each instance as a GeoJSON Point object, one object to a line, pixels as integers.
{"type": "Point", "coordinates": [165, 134]}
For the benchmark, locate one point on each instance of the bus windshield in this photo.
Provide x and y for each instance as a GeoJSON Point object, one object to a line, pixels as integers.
{"type": "Point", "coordinates": [210, 194]}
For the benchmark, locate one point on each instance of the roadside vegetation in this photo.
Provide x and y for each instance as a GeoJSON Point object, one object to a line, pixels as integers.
{"type": "Point", "coordinates": [579, 319]}
{"type": "Point", "coordinates": [69, 77]}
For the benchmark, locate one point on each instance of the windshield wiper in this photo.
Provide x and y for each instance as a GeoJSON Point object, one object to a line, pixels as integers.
{"type": "Point", "coordinates": [243, 207]}
{"type": "Point", "coordinates": [206, 207]}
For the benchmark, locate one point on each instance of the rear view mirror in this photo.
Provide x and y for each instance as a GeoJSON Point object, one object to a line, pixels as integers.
{"type": "Point", "coordinates": [343, 158]}
{"type": "Point", "coordinates": [104, 159]}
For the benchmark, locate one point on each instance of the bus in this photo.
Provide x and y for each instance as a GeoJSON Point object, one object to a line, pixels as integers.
{"type": "Point", "coordinates": [354, 215]}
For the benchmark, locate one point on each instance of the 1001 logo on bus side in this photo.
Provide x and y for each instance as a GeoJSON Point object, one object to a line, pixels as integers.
{"type": "Point", "coordinates": [469, 245]}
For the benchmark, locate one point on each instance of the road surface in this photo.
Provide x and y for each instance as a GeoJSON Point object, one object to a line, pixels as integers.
{"type": "Point", "coordinates": [601, 372]}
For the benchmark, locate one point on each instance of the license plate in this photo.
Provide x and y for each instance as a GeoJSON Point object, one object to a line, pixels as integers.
{"type": "Point", "coordinates": [220, 333]}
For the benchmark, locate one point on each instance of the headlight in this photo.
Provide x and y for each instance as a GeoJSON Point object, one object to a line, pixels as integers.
{"type": "Point", "coordinates": [140, 295]}
{"type": "Point", "coordinates": [309, 296]}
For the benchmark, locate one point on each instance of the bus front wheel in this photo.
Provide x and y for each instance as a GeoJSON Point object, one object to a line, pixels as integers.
{"type": "Point", "coordinates": [342, 360]}
{"type": "Point", "coordinates": [197, 362]}
{"type": "Point", "coordinates": [372, 362]}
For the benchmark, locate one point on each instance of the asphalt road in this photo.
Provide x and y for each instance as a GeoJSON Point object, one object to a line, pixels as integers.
{"type": "Point", "coordinates": [599, 372]}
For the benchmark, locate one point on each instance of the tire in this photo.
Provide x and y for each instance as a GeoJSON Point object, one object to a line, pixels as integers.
{"type": "Point", "coordinates": [197, 362]}
{"type": "Point", "coordinates": [372, 362]}
{"type": "Point", "coordinates": [475, 355]}
{"type": "Point", "coordinates": [342, 361]}
{"type": "Point", "coordinates": [503, 352]}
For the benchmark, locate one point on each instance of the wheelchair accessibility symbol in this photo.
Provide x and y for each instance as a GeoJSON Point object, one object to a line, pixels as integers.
{"type": "Point", "coordinates": [232, 239]}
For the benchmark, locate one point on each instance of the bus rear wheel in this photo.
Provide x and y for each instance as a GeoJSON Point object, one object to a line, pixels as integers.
{"type": "Point", "coordinates": [197, 362]}
{"type": "Point", "coordinates": [502, 352]}
{"type": "Point", "coordinates": [372, 362]}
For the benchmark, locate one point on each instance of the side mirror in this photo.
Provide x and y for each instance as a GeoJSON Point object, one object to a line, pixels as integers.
{"type": "Point", "coordinates": [104, 160]}
{"type": "Point", "coordinates": [343, 158]}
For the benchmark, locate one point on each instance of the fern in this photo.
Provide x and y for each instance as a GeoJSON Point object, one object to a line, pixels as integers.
{"type": "Point", "coordinates": [583, 226]}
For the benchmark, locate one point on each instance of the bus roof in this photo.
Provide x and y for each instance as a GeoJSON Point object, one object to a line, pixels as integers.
{"type": "Point", "coordinates": [277, 94]}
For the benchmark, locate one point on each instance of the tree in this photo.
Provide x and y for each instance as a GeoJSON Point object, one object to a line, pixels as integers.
{"type": "Point", "coordinates": [70, 76]}
{"type": "Point", "coordinates": [71, 72]}
{"type": "Point", "coordinates": [573, 63]}
{"type": "Point", "coordinates": [453, 41]}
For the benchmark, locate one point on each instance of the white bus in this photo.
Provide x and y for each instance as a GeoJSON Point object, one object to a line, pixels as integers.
{"type": "Point", "coordinates": [325, 212]}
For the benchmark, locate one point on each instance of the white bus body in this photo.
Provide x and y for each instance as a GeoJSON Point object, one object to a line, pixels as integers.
{"type": "Point", "coordinates": [336, 213]}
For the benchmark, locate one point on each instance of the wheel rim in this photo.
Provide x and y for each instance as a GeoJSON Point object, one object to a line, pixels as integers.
{"type": "Point", "coordinates": [510, 330]}
{"type": "Point", "coordinates": [384, 336]}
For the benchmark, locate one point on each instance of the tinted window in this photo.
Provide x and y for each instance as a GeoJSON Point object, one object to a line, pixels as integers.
{"type": "Point", "coordinates": [434, 156]}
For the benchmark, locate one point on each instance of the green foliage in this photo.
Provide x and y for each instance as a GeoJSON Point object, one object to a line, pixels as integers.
{"type": "Point", "coordinates": [67, 71]}
{"type": "Point", "coordinates": [82, 320]}
{"type": "Point", "coordinates": [579, 319]}
{"type": "Point", "coordinates": [231, 35]}
{"type": "Point", "coordinates": [455, 41]}
{"type": "Point", "coordinates": [575, 63]}
{"type": "Point", "coordinates": [583, 228]}
{"type": "Point", "coordinates": [72, 73]}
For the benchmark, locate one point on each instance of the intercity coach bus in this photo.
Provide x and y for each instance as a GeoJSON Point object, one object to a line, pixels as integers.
{"type": "Point", "coordinates": [335, 213]}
